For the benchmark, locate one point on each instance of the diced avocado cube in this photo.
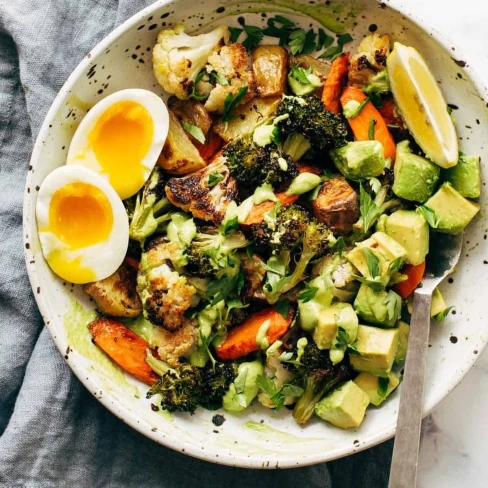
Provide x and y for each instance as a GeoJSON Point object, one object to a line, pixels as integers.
{"type": "Point", "coordinates": [370, 384]}
{"type": "Point", "coordinates": [344, 407]}
{"type": "Point", "coordinates": [337, 315]}
{"type": "Point", "coordinates": [384, 247]}
{"type": "Point", "coordinates": [381, 223]}
{"type": "Point", "coordinates": [451, 209]}
{"type": "Point", "coordinates": [378, 307]}
{"type": "Point", "coordinates": [465, 177]}
{"type": "Point", "coordinates": [411, 230]}
{"type": "Point", "coordinates": [403, 332]}
{"type": "Point", "coordinates": [415, 178]}
{"type": "Point", "coordinates": [376, 348]}
{"type": "Point", "coordinates": [359, 159]}
{"type": "Point", "coordinates": [438, 304]}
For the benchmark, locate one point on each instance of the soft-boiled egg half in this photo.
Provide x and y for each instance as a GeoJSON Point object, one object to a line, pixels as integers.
{"type": "Point", "coordinates": [121, 138]}
{"type": "Point", "coordinates": [83, 226]}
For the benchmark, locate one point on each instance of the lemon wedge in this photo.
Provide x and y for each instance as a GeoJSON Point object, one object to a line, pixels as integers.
{"type": "Point", "coordinates": [422, 105]}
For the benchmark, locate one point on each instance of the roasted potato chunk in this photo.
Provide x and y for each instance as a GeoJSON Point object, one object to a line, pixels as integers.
{"type": "Point", "coordinates": [248, 116]}
{"type": "Point", "coordinates": [269, 64]}
{"type": "Point", "coordinates": [192, 112]}
{"type": "Point", "coordinates": [179, 156]}
{"type": "Point", "coordinates": [337, 205]}
{"type": "Point", "coordinates": [116, 295]}
{"type": "Point", "coordinates": [319, 67]}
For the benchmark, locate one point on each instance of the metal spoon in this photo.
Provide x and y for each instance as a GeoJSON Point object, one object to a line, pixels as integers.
{"type": "Point", "coordinates": [445, 252]}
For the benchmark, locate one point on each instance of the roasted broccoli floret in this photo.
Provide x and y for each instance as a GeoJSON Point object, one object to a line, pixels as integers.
{"type": "Point", "coordinates": [285, 231]}
{"type": "Point", "coordinates": [165, 294]}
{"type": "Point", "coordinates": [319, 376]}
{"type": "Point", "coordinates": [308, 117]}
{"type": "Point", "coordinates": [314, 243]}
{"type": "Point", "coordinates": [151, 202]}
{"type": "Point", "coordinates": [296, 145]}
{"type": "Point", "coordinates": [184, 388]}
{"type": "Point", "coordinates": [179, 58]}
{"type": "Point", "coordinates": [211, 251]}
{"type": "Point", "coordinates": [252, 165]}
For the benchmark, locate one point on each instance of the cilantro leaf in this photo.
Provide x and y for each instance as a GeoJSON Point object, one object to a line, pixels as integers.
{"type": "Point", "coordinates": [344, 39]}
{"type": "Point", "coordinates": [342, 337]}
{"type": "Point", "coordinates": [324, 40]}
{"type": "Point", "coordinates": [328, 173]}
{"type": "Point", "coordinates": [206, 341]}
{"type": "Point", "coordinates": [368, 208]}
{"type": "Point", "coordinates": [283, 307]}
{"type": "Point", "coordinates": [194, 131]}
{"type": "Point", "coordinates": [395, 265]}
{"type": "Point", "coordinates": [372, 262]}
{"type": "Point", "coordinates": [359, 108]}
{"type": "Point", "coordinates": [308, 293]}
{"type": "Point", "coordinates": [228, 225]}
{"type": "Point", "coordinates": [442, 315]}
{"type": "Point", "coordinates": [353, 351]}
{"type": "Point", "coordinates": [278, 397]}
{"type": "Point", "coordinates": [300, 74]}
{"type": "Point", "coordinates": [373, 284]}
{"type": "Point", "coordinates": [393, 304]}
{"type": "Point", "coordinates": [289, 390]}
{"type": "Point", "coordinates": [376, 99]}
{"type": "Point", "coordinates": [331, 52]}
{"type": "Point", "coordinates": [214, 179]}
{"type": "Point", "coordinates": [254, 36]}
{"type": "Point", "coordinates": [231, 102]}
{"type": "Point", "coordinates": [339, 245]}
{"type": "Point", "coordinates": [194, 93]}
{"type": "Point", "coordinates": [372, 123]}
{"type": "Point", "coordinates": [383, 384]}
{"type": "Point", "coordinates": [235, 32]}
{"type": "Point", "coordinates": [280, 32]}
{"type": "Point", "coordinates": [240, 282]}
{"type": "Point", "coordinates": [429, 215]}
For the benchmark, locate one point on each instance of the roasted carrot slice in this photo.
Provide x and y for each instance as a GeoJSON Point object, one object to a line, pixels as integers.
{"type": "Point", "coordinates": [361, 123]}
{"type": "Point", "coordinates": [212, 145]}
{"type": "Point", "coordinates": [256, 215]}
{"type": "Point", "coordinates": [125, 347]}
{"type": "Point", "coordinates": [308, 168]}
{"type": "Point", "coordinates": [335, 82]}
{"type": "Point", "coordinates": [242, 339]}
{"type": "Point", "coordinates": [415, 275]}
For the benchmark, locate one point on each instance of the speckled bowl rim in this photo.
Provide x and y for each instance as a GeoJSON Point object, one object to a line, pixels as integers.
{"type": "Point", "coordinates": [130, 418]}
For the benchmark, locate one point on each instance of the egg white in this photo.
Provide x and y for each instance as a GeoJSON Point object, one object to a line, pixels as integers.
{"type": "Point", "coordinates": [102, 258]}
{"type": "Point", "coordinates": [80, 151]}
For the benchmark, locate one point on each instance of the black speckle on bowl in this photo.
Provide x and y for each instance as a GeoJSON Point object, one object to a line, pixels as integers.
{"type": "Point", "coordinates": [461, 64]}
{"type": "Point", "coordinates": [152, 26]}
{"type": "Point", "coordinates": [453, 339]}
{"type": "Point", "coordinates": [165, 15]}
{"type": "Point", "coordinates": [141, 27]}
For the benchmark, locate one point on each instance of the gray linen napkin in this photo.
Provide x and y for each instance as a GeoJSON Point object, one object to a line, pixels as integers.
{"type": "Point", "coordinates": [53, 433]}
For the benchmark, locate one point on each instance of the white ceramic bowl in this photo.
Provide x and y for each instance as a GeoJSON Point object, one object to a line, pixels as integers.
{"type": "Point", "coordinates": [259, 437]}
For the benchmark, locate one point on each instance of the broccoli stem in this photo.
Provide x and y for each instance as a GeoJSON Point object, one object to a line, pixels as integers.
{"type": "Point", "coordinates": [314, 390]}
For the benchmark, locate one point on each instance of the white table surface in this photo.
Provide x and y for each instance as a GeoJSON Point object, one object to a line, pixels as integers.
{"type": "Point", "coordinates": [454, 450]}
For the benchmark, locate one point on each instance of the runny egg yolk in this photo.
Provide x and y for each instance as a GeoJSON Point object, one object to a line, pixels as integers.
{"type": "Point", "coordinates": [80, 215]}
{"type": "Point", "coordinates": [120, 140]}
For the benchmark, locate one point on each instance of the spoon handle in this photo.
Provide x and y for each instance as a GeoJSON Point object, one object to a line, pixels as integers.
{"type": "Point", "coordinates": [403, 473]}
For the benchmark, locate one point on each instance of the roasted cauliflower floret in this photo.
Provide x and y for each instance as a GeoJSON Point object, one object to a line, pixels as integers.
{"type": "Point", "coordinates": [178, 58]}
{"type": "Point", "coordinates": [179, 344]}
{"type": "Point", "coordinates": [116, 295]}
{"type": "Point", "coordinates": [369, 60]}
{"type": "Point", "coordinates": [205, 193]}
{"type": "Point", "coordinates": [231, 65]}
{"type": "Point", "coordinates": [165, 294]}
